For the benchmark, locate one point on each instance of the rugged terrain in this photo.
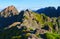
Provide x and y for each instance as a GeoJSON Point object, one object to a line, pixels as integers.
{"type": "Point", "coordinates": [28, 25]}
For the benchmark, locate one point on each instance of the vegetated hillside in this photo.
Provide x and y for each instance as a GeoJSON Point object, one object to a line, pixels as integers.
{"type": "Point", "coordinates": [50, 11]}
{"type": "Point", "coordinates": [28, 25]}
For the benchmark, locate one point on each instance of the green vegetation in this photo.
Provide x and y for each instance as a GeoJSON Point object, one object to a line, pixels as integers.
{"type": "Point", "coordinates": [25, 17]}
{"type": "Point", "coordinates": [49, 24]}
{"type": "Point", "coordinates": [16, 37]}
{"type": "Point", "coordinates": [52, 36]}
{"type": "Point", "coordinates": [38, 17]}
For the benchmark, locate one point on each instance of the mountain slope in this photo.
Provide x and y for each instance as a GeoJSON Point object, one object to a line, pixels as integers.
{"type": "Point", "coordinates": [28, 25]}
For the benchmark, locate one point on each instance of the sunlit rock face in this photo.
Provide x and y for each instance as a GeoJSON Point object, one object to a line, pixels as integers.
{"type": "Point", "coordinates": [9, 11]}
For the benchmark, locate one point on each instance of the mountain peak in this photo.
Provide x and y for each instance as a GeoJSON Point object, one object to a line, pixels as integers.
{"type": "Point", "coordinates": [11, 7]}
{"type": "Point", "coordinates": [9, 11]}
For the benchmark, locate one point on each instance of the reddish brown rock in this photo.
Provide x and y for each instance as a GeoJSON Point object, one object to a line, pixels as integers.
{"type": "Point", "coordinates": [9, 11]}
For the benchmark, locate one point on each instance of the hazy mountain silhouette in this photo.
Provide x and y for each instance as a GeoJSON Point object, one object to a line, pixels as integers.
{"type": "Point", "coordinates": [50, 11]}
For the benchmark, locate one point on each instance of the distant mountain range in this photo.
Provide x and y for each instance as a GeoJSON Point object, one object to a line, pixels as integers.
{"type": "Point", "coordinates": [50, 11]}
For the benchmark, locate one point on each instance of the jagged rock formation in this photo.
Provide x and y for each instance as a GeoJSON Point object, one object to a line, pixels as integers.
{"type": "Point", "coordinates": [13, 25]}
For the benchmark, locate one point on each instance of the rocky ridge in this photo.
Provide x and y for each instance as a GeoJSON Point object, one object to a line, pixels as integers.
{"type": "Point", "coordinates": [27, 25]}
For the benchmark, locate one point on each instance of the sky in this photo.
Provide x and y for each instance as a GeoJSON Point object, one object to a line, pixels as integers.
{"type": "Point", "coordinates": [29, 4]}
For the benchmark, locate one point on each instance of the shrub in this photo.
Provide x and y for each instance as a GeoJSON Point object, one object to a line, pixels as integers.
{"type": "Point", "coordinates": [16, 37]}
